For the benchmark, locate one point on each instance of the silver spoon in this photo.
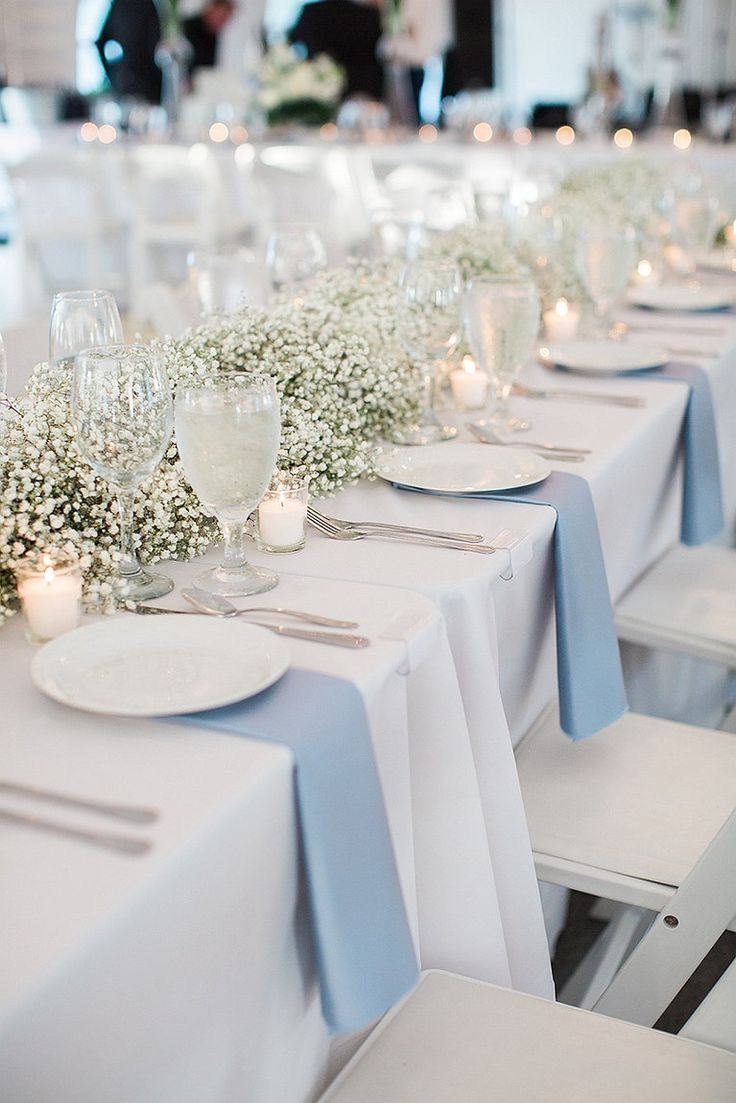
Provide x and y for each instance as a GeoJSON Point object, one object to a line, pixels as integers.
{"type": "Point", "coordinates": [220, 607]}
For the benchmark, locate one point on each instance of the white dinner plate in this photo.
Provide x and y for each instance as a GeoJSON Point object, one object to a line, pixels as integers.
{"type": "Point", "coordinates": [684, 297]}
{"type": "Point", "coordinates": [462, 468]}
{"type": "Point", "coordinates": [717, 260]}
{"type": "Point", "coordinates": [603, 357]}
{"type": "Point", "coordinates": [159, 666]}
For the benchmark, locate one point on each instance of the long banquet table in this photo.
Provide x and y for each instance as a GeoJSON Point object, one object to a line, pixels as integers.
{"type": "Point", "coordinates": [187, 974]}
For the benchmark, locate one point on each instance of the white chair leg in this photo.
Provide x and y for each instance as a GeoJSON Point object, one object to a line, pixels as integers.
{"type": "Point", "coordinates": [599, 966]}
{"type": "Point", "coordinates": [714, 1021]}
{"type": "Point", "coordinates": [678, 940]}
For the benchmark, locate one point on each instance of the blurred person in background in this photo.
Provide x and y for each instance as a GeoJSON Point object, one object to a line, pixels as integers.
{"type": "Point", "coordinates": [348, 31]}
{"type": "Point", "coordinates": [203, 30]}
{"type": "Point", "coordinates": [127, 48]}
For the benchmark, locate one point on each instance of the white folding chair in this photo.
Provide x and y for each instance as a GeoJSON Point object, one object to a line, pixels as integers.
{"type": "Point", "coordinates": [178, 205]}
{"type": "Point", "coordinates": [455, 1040]}
{"type": "Point", "coordinates": [685, 603]}
{"type": "Point", "coordinates": [641, 814]}
{"type": "Point", "coordinates": [70, 228]}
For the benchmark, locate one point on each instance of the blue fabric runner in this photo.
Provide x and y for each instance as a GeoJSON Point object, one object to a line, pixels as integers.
{"type": "Point", "coordinates": [702, 505]}
{"type": "Point", "coordinates": [364, 951]}
{"type": "Point", "coordinates": [589, 675]}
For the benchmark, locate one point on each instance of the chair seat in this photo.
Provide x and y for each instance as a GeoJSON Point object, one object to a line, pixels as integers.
{"type": "Point", "coordinates": [686, 603]}
{"type": "Point", "coordinates": [462, 1041]}
{"type": "Point", "coordinates": [642, 799]}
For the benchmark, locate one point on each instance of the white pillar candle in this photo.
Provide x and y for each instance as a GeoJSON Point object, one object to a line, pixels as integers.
{"type": "Point", "coordinates": [469, 385]}
{"type": "Point", "coordinates": [561, 321]}
{"type": "Point", "coordinates": [281, 521]}
{"type": "Point", "coordinates": [51, 600]}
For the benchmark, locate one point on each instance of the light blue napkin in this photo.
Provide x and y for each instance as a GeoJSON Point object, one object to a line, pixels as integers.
{"type": "Point", "coordinates": [364, 951]}
{"type": "Point", "coordinates": [589, 675]}
{"type": "Point", "coordinates": [702, 505]}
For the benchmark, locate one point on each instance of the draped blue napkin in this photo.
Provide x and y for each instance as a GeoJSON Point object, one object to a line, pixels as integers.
{"type": "Point", "coordinates": [589, 675]}
{"type": "Point", "coordinates": [702, 517]}
{"type": "Point", "coordinates": [702, 505]}
{"type": "Point", "coordinates": [364, 951]}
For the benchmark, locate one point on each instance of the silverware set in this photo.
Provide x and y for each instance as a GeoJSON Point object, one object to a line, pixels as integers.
{"type": "Point", "coordinates": [550, 451]}
{"type": "Point", "coordinates": [354, 530]}
{"type": "Point", "coordinates": [122, 844]}
{"type": "Point", "coordinates": [581, 396]}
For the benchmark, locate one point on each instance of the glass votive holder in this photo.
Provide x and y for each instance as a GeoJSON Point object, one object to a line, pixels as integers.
{"type": "Point", "coordinates": [51, 597]}
{"type": "Point", "coordinates": [280, 520]}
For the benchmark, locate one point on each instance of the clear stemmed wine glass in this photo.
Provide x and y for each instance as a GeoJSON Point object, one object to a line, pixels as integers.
{"type": "Point", "coordinates": [226, 278]}
{"type": "Point", "coordinates": [228, 431]}
{"type": "Point", "coordinates": [606, 257]}
{"type": "Point", "coordinates": [429, 329]}
{"type": "Point", "coordinates": [502, 321]}
{"type": "Point", "coordinates": [294, 255]}
{"type": "Point", "coordinates": [82, 320]}
{"type": "Point", "coordinates": [123, 416]}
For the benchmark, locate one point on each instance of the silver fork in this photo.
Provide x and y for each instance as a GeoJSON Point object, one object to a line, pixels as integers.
{"type": "Point", "coordinates": [336, 533]}
{"type": "Point", "coordinates": [550, 451]}
{"type": "Point", "coordinates": [583, 396]}
{"type": "Point", "coordinates": [376, 526]}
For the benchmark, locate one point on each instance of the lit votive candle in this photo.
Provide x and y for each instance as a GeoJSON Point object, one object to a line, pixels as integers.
{"type": "Point", "coordinates": [281, 517]}
{"type": "Point", "coordinates": [561, 321]}
{"type": "Point", "coordinates": [51, 598]}
{"type": "Point", "coordinates": [469, 385]}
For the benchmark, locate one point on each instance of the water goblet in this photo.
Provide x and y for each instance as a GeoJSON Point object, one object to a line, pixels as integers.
{"type": "Point", "coordinates": [429, 329]}
{"type": "Point", "coordinates": [502, 321]}
{"type": "Point", "coordinates": [225, 279]}
{"type": "Point", "coordinates": [606, 256]}
{"type": "Point", "coordinates": [228, 431]}
{"type": "Point", "coordinates": [82, 320]}
{"type": "Point", "coordinates": [294, 255]}
{"type": "Point", "coordinates": [123, 416]}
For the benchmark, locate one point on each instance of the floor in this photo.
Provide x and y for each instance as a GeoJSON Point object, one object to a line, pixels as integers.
{"type": "Point", "coordinates": [581, 932]}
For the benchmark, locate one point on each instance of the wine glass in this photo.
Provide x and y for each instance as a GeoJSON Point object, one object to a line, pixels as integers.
{"type": "Point", "coordinates": [606, 256]}
{"type": "Point", "coordinates": [294, 255]}
{"type": "Point", "coordinates": [123, 416]}
{"type": "Point", "coordinates": [82, 320]}
{"type": "Point", "coordinates": [502, 321]}
{"type": "Point", "coordinates": [429, 329]}
{"type": "Point", "coordinates": [228, 431]}
{"type": "Point", "coordinates": [225, 279]}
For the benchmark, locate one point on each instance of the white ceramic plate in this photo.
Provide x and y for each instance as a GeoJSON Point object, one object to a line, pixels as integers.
{"type": "Point", "coordinates": [682, 297]}
{"type": "Point", "coordinates": [603, 357]}
{"type": "Point", "coordinates": [462, 468]}
{"type": "Point", "coordinates": [159, 666]}
{"type": "Point", "coordinates": [717, 260]}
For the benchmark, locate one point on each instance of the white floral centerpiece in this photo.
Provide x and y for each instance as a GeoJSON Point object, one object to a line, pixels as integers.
{"type": "Point", "coordinates": [297, 90]}
{"type": "Point", "coordinates": [338, 390]}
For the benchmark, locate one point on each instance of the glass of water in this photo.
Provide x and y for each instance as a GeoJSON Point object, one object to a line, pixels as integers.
{"type": "Point", "coordinates": [228, 431]}
{"type": "Point", "coordinates": [294, 255]}
{"type": "Point", "coordinates": [82, 320]}
{"type": "Point", "coordinates": [225, 279]}
{"type": "Point", "coordinates": [606, 257]}
{"type": "Point", "coordinates": [502, 321]}
{"type": "Point", "coordinates": [123, 416]}
{"type": "Point", "coordinates": [429, 329]}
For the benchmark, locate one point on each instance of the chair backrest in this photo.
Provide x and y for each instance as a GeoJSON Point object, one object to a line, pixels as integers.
{"type": "Point", "coordinates": [174, 183]}
{"type": "Point", "coordinates": [55, 192]}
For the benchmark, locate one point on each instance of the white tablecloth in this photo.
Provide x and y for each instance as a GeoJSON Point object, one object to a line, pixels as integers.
{"type": "Point", "coordinates": [187, 975]}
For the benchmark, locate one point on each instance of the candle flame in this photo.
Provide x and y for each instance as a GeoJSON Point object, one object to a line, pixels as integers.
{"type": "Point", "coordinates": [644, 268]}
{"type": "Point", "coordinates": [469, 365]}
{"type": "Point", "coordinates": [48, 575]}
{"type": "Point", "coordinates": [561, 308]}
